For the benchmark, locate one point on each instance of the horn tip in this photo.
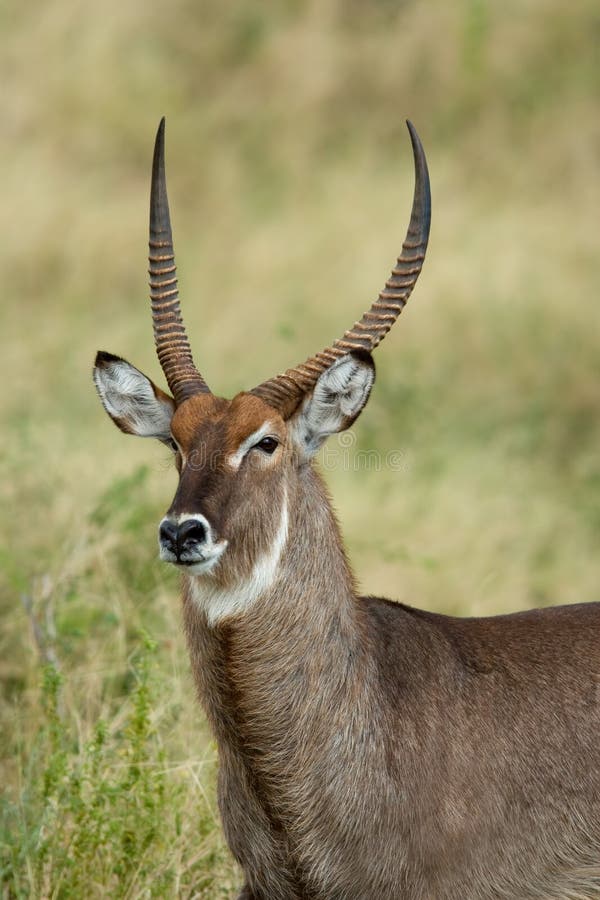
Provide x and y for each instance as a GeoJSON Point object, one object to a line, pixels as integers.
{"type": "Point", "coordinates": [159, 205]}
{"type": "Point", "coordinates": [414, 137]}
{"type": "Point", "coordinates": [159, 143]}
{"type": "Point", "coordinates": [422, 186]}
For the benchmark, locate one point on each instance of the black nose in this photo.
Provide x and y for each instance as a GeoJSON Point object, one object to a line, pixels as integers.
{"type": "Point", "coordinates": [190, 533]}
{"type": "Point", "coordinates": [167, 535]}
{"type": "Point", "coordinates": [179, 538]}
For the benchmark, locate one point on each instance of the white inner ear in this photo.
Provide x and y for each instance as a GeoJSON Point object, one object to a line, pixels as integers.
{"type": "Point", "coordinates": [339, 395]}
{"type": "Point", "coordinates": [128, 396]}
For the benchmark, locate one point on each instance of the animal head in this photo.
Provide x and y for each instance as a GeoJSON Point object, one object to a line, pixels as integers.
{"type": "Point", "coordinates": [237, 458]}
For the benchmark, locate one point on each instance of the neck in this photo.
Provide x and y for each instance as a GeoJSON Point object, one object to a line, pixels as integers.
{"type": "Point", "coordinates": [300, 630]}
{"type": "Point", "coordinates": [314, 582]}
{"type": "Point", "coordinates": [303, 565]}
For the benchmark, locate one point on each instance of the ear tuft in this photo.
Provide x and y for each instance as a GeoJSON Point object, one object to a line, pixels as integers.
{"type": "Point", "coordinates": [104, 359]}
{"type": "Point", "coordinates": [338, 398]}
{"type": "Point", "coordinates": [134, 403]}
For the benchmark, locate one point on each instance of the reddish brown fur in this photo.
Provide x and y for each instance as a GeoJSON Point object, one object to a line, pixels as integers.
{"type": "Point", "coordinates": [209, 430]}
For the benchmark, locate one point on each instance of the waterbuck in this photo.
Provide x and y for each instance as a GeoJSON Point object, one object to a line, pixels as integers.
{"type": "Point", "coordinates": [368, 750]}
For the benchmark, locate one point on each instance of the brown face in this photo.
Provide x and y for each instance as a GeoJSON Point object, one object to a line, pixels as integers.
{"type": "Point", "coordinates": [229, 519]}
{"type": "Point", "coordinates": [238, 461]}
{"type": "Point", "coordinates": [231, 456]}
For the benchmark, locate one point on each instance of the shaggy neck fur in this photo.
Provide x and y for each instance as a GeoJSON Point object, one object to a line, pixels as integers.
{"type": "Point", "coordinates": [255, 671]}
{"type": "Point", "coordinates": [352, 761]}
{"type": "Point", "coordinates": [301, 593]}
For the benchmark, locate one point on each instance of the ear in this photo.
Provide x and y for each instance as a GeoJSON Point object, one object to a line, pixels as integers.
{"type": "Point", "coordinates": [339, 396]}
{"type": "Point", "coordinates": [133, 402]}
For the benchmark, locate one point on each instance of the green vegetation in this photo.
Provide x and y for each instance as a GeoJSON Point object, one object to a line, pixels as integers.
{"type": "Point", "coordinates": [106, 816]}
{"type": "Point", "coordinates": [113, 780]}
{"type": "Point", "coordinates": [290, 179]}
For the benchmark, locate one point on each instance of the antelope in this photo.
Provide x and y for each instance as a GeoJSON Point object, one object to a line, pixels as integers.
{"type": "Point", "coordinates": [367, 749]}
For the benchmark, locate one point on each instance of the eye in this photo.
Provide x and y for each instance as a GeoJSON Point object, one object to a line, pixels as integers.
{"type": "Point", "coordinates": [267, 445]}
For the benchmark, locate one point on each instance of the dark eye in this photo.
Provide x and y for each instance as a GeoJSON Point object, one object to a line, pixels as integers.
{"type": "Point", "coordinates": [267, 445]}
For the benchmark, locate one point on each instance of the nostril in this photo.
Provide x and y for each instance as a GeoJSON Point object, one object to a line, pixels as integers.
{"type": "Point", "coordinates": [191, 532]}
{"type": "Point", "coordinates": [167, 535]}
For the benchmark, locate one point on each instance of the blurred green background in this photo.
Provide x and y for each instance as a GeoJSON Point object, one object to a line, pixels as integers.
{"type": "Point", "coordinates": [290, 179]}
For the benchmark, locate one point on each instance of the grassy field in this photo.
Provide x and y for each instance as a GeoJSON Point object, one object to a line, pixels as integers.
{"type": "Point", "coordinates": [290, 178]}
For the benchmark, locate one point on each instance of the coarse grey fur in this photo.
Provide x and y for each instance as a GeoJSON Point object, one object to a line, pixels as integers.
{"type": "Point", "coordinates": [370, 750]}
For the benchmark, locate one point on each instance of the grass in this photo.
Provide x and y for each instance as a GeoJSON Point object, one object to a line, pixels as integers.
{"type": "Point", "coordinates": [113, 781]}
{"type": "Point", "coordinates": [104, 814]}
{"type": "Point", "coordinates": [290, 181]}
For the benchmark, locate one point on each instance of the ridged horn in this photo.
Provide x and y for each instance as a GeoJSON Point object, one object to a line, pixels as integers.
{"type": "Point", "coordinates": [172, 345]}
{"type": "Point", "coordinates": [284, 392]}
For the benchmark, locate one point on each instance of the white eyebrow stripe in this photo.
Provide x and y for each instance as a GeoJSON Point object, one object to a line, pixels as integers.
{"type": "Point", "coordinates": [181, 453]}
{"type": "Point", "coordinates": [235, 460]}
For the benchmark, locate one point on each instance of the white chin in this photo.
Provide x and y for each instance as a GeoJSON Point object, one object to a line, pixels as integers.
{"type": "Point", "coordinates": [203, 567]}
{"type": "Point", "coordinates": [205, 563]}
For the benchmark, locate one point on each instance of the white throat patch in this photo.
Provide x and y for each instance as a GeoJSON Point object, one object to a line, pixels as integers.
{"type": "Point", "coordinates": [221, 603]}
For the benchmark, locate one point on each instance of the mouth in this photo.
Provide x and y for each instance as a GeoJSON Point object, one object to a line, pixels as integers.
{"type": "Point", "coordinates": [197, 561]}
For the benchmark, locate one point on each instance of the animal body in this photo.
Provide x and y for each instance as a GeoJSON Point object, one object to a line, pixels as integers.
{"type": "Point", "coordinates": [367, 749]}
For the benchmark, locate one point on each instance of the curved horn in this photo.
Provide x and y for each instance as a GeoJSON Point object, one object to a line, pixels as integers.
{"type": "Point", "coordinates": [172, 345]}
{"type": "Point", "coordinates": [285, 392]}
